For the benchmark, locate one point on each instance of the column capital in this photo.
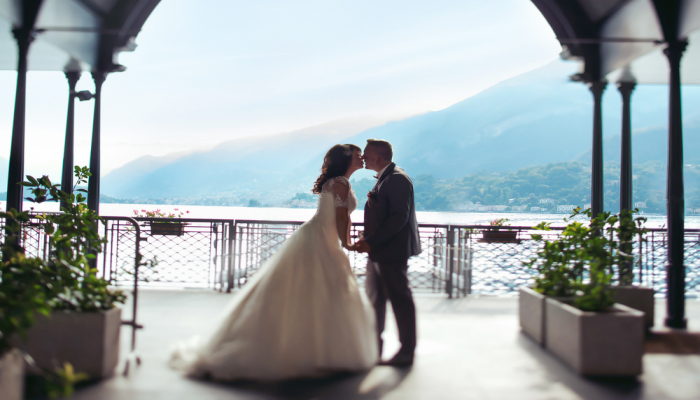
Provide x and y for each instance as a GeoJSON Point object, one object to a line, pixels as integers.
{"type": "Point", "coordinates": [674, 50]}
{"type": "Point", "coordinates": [99, 77]}
{"type": "Point", "coordinates": [73, 78]}
{"type": "Point", "coordinates": [597, 87]}
{"type": "Point", "coordinates": [24, 36]}
{"type": "Point", "coordinates": [626, 88]}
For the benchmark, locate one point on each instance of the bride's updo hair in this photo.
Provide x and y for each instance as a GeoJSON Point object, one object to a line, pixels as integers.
{"type": "Point", "coordinates": [335, 163]}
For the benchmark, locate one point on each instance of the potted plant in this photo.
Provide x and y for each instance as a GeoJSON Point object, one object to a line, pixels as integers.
{"type": "Point", "coordinates": [164, 227]}
{"type": "Point", "coordinates": [589, 332]}
{"type": "Point", "coordinates": [23, 293]}
{"type": "Point", "coordinates": [638, 297]}
{"type": "Point", "coordinates": [555, 278]}
{"type": "Point", "coordinates": [27, 287]}
{"type": "Point", "coordinates": [84, 324]}
{"type": "Point", "coordinates": [497, 235]}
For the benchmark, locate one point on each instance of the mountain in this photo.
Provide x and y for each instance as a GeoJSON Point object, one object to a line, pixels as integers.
{"type": "Point", "coordinates": [244, 166]}
{"type": "Point", "coordinates": [652, 145]}
{"type": "Point", "coordinates": [536, 118]}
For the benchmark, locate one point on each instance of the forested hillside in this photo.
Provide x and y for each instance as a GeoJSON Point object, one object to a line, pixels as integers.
{"type": "Point", "coordinates": [565, 183]}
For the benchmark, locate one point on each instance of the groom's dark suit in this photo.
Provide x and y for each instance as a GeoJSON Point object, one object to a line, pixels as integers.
{"type": "Point", "coordinates": [391, 230]}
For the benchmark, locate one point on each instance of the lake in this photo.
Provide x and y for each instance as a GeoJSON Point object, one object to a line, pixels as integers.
{"type": "Point", "coordinates": [304, 214]}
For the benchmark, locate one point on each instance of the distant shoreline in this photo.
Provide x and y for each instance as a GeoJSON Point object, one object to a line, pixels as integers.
{"type": "Point", "coordinates": [304, 214]}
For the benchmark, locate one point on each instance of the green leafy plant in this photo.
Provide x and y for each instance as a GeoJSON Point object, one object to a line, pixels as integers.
{"type": "Point", "coordinates": [581, 263]}
{"type": "Point", "coordinates": [65, 280]}
{"type": "Point", "coordinates": [74, 242]}
{"type": "Point", "coordinates": [27, 285]}
{"type": "Point", "coordinates": [58, 382]}
{"type": "Point", "coordinates": [627, 230]}
{"type": "Point", "coordinates": [61, 381]}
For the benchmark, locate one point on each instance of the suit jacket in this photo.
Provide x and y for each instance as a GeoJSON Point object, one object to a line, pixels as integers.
{"type": "Point", "coordinates": [391, 228]}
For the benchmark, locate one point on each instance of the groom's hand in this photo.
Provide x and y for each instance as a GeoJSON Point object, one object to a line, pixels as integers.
{"type": "Point", "coordinates": [361, 246]}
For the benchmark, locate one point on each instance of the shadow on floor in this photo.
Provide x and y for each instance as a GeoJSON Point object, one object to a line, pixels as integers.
{"type": "Point", "coordinates": [370, 385]}
{"type": "Point", "coordinates": [587, 388]}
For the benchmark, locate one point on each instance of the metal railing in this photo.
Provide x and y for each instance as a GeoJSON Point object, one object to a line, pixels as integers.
{"type": "Point", "coordinates": [457, 259]}
{"type": "Point", "coordinates": [466, 259]}
{"type": "Point", "coordinates": [191, 253]}
{"type": "Point", "coordinates": [256, 241]}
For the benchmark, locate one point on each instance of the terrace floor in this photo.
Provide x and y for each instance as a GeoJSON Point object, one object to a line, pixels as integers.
{"type": "Point", "coordinates": [469, 348]}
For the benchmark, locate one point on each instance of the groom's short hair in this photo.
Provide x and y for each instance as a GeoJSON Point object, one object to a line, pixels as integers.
{"type": "Point", "coordinates": [382, 147]}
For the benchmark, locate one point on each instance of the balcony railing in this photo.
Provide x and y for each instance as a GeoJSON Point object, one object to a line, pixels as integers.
{"type": "Point", "coordinates": [456, 259]}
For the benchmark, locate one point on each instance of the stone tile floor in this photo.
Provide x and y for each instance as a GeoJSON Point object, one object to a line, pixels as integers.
{"type": "Point", "coordinates": [469, 348]}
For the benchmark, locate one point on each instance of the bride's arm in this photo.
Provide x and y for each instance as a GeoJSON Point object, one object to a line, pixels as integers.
{"type": "Point", "coordinates": [341, 190]}
{"type": "Point", "coordinates": [342, 223]}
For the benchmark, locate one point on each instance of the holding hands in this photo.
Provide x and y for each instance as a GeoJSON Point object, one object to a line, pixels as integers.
{"type": "Point", "coordinates": [360, 246]}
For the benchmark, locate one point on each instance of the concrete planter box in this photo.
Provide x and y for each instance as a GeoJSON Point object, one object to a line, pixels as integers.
{"type": "Point", "coordinates": [531, 314]}
{"type": "Point", "coordinates": [12, 376]}
{"type": "Point", "coordinates": [637, 297]}
{"type": "Point", "coordinates": [596, 343]}
{"type": "Point", "coordinates": [87, 340]}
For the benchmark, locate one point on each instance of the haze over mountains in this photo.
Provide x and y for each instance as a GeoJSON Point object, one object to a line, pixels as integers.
{"type": "Point", "coordinates": [535, 118]}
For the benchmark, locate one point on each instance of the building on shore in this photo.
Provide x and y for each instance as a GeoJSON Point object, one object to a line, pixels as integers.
{"type": "Point", "coordinates": [566, 208]}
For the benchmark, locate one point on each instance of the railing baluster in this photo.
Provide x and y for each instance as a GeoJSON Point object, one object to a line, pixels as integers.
{"type": "Point", "coordinates": [232, 254]}
{"type": "Point", "coordinates": [450, 254]}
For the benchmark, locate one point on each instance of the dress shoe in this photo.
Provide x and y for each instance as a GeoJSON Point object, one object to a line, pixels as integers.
{"type": "Point", "coordinates": [399, 360]}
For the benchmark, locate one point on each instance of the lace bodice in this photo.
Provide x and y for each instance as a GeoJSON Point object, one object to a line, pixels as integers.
{"type": "Point", "coordinates": [343, 195]}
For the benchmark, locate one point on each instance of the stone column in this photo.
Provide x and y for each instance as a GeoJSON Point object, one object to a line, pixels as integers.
{"type": "Point", "coordinates": [93, 200]}
{"type": "Point", "coordinates": [15, 174]}
{"type": "Point", "coordinates": [675, 301]}
{"type": "Point", "coordinates": [597, 89]}
{"type": "Point", "coordinates": [68, 148]}
{"type": "Point", "coordinates": [626, 199]}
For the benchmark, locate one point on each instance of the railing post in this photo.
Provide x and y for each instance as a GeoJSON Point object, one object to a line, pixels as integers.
{"type": "Point", "coordinates": [214, 228]}
{"type": "Point", "coordinates": [460, 263]}
{"type": "Point", "coordinates": [639, 263]}
{"type": "Point", "coordinates": [223, 279]}
{"type": "Point", "coordinates": [450, 260]}
{"type": "Point", "coordinates": [470, 253]}
{"type": "Point", "coordinates": [435, 261]}
{"type": "Point", "coordinates": [231, 253]}
{"type": "Point", "coordinates": [240, 253]}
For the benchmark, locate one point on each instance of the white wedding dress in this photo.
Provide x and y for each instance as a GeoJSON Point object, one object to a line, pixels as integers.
{"type": "Point", "coordinates": [301, 315]}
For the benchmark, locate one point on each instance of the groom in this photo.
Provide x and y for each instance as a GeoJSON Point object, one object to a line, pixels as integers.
{"type": "Point", "coordinates": [390, 238]}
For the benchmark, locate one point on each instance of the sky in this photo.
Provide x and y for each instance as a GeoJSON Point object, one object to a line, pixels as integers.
{"type": "Point", "coordinates": [208, 71]}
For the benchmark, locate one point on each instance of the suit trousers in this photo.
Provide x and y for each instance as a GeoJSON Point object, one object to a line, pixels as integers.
{"type": "Point", "coordinates": [389, 281]}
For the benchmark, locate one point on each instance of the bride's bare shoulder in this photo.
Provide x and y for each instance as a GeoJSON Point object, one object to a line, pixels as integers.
{"type": "Point", "coordinates": [338, 179]}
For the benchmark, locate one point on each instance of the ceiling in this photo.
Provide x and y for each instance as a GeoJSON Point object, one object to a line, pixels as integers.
{"type": "Point", "coordinates": [73, 34]}
{"type": "Point", "coordinates": [623, 40]}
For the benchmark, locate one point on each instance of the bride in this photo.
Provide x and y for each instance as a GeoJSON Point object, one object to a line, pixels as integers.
{"type": "Point", "coordinates": [302, 314]}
